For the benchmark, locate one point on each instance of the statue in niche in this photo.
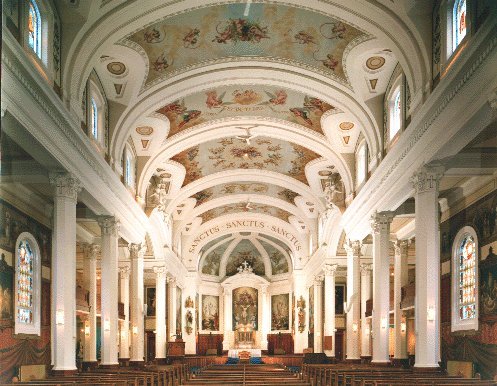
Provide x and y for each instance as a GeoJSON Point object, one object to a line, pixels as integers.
{"type": "Point", "coordinates": [333, 190]}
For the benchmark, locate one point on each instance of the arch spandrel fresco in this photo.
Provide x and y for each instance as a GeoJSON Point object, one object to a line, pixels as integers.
{"type": "Point", "coordinates": [245, 250]}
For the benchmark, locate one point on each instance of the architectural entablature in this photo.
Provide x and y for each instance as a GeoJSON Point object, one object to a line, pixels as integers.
{"type": "Point", "coordinates": [245, 278]}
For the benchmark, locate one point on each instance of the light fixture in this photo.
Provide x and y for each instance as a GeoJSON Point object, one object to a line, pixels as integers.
{"type": "Point", "coordinates": [87, 330]}
{"type": "Point", "coordinates": [106, 325]}
{"type": "Point", "coordinates": [59, 317]}
{"type": "Point", "coordinates": [355, 327]}
{"type": "Point", "coordinates": [403, 326]}
{"type": "Point", "coordinates": [383, 323]}
{"type": "Point", "coordinates": [430, 313]}
{"type": "Point", "coordinates": [135, 330]}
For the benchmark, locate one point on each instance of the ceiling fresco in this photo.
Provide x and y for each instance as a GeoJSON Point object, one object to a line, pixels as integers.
{"type": "Point", "coordinates": [267, 101]}
{"type": "Point", "coordinates": [245, 250]}
{"type": "Point", "coordinates": [228, 32]}
{"type": "Point", "coordinates": [232, 153]}
{"type": "Point", "coordinates": [248, 187]}
{"type": "Point", "coordinates": [241, 207]}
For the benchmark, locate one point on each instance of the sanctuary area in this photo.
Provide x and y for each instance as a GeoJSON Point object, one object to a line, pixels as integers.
{"type": "Point", "coordinates": [248, 192]}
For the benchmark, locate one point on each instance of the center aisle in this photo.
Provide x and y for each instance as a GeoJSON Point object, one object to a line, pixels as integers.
{"type": "Point", "coordinates": [260, 375]}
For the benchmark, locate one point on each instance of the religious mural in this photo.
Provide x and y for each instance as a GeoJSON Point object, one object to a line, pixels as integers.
{"type": "Point", "coordinates": [245, 308]}
{"type": "Point", "coordinates": [339, 299]}
{"type": "Point", "coordinates": [242, 207]}
{"type": "Point", "coordinates": [220, 33]}
{"type": "Point", "coordinates": [279, 103]}
{"type": "Point", "coordinates": [150, 300]}
{"type": "Point", "coordinates": [279, 263]}
{"type": "Point", "coordinates": [223, 190]}
{"type": "Point", "coordinates": [210, 312]}
{"type": "Point", "coordinates": [232, 153]}
{"type": "Point", "coordinates": [245, 250]}
{"type": "Point", "coordinates": [488, 285]}
{"type": "Point", "coordinates": [179, 309]}
{"type": "Point", "coordinates": [6, 289]}
{"type": "Point", "coordinates": [280, 317]}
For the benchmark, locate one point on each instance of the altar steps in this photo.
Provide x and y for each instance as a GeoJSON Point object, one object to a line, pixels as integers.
{"type": "Point", "coordinates": [241, 375]}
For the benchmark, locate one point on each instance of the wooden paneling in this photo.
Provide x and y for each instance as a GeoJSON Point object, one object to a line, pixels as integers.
{"type": "Point", "coordinates": [209, 341]}
{"type": "Point", "coordinates": [445, 298]}
{"type": "Point", "coordinates": [282, 341]}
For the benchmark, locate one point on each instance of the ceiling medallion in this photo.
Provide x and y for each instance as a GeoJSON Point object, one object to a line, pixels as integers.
{"type": "Point", "coordinates": [144, 130]}
{"type": "Point", "coordinates": [375, 62]}
{"type": "Point", "coordinates": [116, 68]}
{"type": "Point", "coordinates": [346, 125]}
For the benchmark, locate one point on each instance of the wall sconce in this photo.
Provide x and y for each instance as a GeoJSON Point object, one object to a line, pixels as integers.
{"type": "Point", "coordinates": [430, 313]}
{"type": "Point", "coordinates": [87, 330]}
{"type": "Point", "coordinates": [135, 330]}
{"type": "Point", "coordinates": [106, 325]}
{"type": "Point", "coordinates": [383, 323]}
{"type": "Point", "coordinates": [59, 317]}
{"type": "Point", "coordinates": [355, 327]}
{"type": "Point", "coordinates": [403, 327]}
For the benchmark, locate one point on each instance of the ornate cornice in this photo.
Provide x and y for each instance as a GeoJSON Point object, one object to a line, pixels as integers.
{"type": "Point", "coordinates": [66, 185]}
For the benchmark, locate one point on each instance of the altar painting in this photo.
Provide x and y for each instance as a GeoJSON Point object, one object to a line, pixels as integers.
{"type": "Point", "coordinates": [210, 312]}
{"type": "Point", "coordinates": [178, 311]}
{"type": "Point", "coordinates": [280, 312]}
{"type": "Point", "coordinates": [245, 308]}
{"type": "Point", "coordinates": [150, 300]}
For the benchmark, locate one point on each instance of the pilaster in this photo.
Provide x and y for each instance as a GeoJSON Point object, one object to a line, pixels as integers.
{"type": "Point", "coordinates": [91, 252]}
{"type": "Point", "coordinates": [366, 270]}
{"type": "Point", "coordinates": [400, 280]}
{"type": "Point", "coordinates": [329, 306]}
{"type": "Point", "coordinates": [137, 251]}
{"type": "Point", "coordinates": [124, 275]}
{"type": "Point", "coordinates": [160, 313]}
{"type": "Point", "coordinates": [353, 249]}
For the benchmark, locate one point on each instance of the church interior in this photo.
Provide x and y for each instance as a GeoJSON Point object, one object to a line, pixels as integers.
{"type": "Point", "coordinates": [248, 192]}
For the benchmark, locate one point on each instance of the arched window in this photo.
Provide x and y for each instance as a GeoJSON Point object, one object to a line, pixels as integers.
{"type": "Point", "coordinates": [465, 281]}
{"type": "Point", "coordinates": [94, 118]}
{"type": "Point", "coordinates": [34, 28]}
{"type": "Point", "coordinates": [395, 107]}
{"type": "Point", "coordinates": [129, 167]}
{"type": "Point", "coordinates": [459, 24]}
{"type": "Point", "coordinates": [27, 285]}
{"type": "Point", "coordinates": [361, 163]}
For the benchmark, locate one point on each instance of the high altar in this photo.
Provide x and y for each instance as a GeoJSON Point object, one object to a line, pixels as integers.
{"type": "Point", "coordinates": [246, 310]}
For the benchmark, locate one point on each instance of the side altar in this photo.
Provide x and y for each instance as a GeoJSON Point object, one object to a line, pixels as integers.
{"type": "Point", "coordinates": [246, 310]}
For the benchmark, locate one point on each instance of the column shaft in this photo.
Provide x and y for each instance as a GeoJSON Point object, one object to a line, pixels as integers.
{"type": "Point", "coordinates": [353, 300]}
{"type": "Point", "coordinates": [329, 305]}
{"type": "Point", "coordinates": [64, 272]}
{"type": "Point", "coordinates": [427, 301]}
{"type": "Point", "coordinates": [400, 280]}
{"type": "Point", "coordinates": [90, 284]}
{"type": "Point", "coordinates": [227, 319]}
{"type": "Point", "coordinates": [109, 290]}
{"type": "Point", "coordinates": [124, 335]}
{"type": "Point", "coordinates": [160, 313]}
{"type": "Point", "coordinates": [266, 317]}
{"type": "Point", "coordinates": [172, 308]}
{"type": "Point", "coordinates": [365, 323]}
{"type": "Point", "coordinates": [381, 286]}
{"type": "Point", "coordinates": [136, 300]}
{"type": "Point", "coordinates": [318, 312]}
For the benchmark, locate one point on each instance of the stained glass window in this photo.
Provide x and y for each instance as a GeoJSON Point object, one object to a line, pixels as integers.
{"type": "Point", "coordinates": [25, 277]}
{"type": "Point", "coordinates": [94, 118]}
{"type": "Point", "coordinates": [458, 23]}
{"type": "Point", "coordinates": [395, 114]}
{"type": "Point", "coordinates": [129, 169]}
{"type": "Point", "coordinates": [34, 28]}
{"type": "Point", "coordinates": [467, 278]}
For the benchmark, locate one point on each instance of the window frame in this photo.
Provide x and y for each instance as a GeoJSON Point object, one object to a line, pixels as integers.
{"type": "Point", "coordinates": [450, 49]}
{"type": "Point", "coordinates": [34, 327]}
{"type": "Point", "coordinates": [38, 50]}
{"type": "Point", "coordinates": [95, 95]}
{"type": "Point", "coordinates": [364, 166]}
{"type": "Point", "coordinates": [44, 59]}
{"type": "Point", "coordinates": [129, 155]}
{"type": "Point", "coordinates": [397, 88]}
{"type": "Point", "coordinates": [458, 324]}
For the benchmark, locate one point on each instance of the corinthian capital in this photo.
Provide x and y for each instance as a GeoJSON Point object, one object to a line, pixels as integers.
{"type": "Point", "coordinates": [66, 185]}
{"type": "Point", "coordinates": [380, 221]}
{"type": "Point", "coordinates": [353, 247]}
{"type": "Point", "coordinates": [137, 250]}
{"type": "Point", "coordinates": [124, 272]}
{"type": "Point", "coordinates": [400, 247]}
{"type": "Point", "coordinates": [109, 225]}
{"type": "Point", "coordinates": [366, 269]}
{"type": "Point", "coordinates": [330, 269]}
{"type": "Point", "coordinates": [427, 178]}
{"type": "Point", "coordinates": [91, 251]}
{"type": "Point", "coordinates": [160, 272]}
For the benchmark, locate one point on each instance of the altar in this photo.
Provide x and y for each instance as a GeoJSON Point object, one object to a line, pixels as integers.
{"type": "Point", "coordinates": [254, 352]}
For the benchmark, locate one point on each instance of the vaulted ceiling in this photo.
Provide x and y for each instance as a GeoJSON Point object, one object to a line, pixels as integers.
{"type": "Point", "coordinates": [242, 109]}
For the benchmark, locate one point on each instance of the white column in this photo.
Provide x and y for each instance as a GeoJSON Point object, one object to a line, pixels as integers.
{"type": "Point", "coordinates": [91, 252]}
{"type": "Point", "coordinates": [266, 316]}
{"type": "Point", "coordinates": [427, 317]}
{"type": "Point", "coordinates": [171, 282]}
{"type": "Point", "coordinates": [64, 271]}
{"type": "Point", "coordinates": [301, 293]}
{"type": "Point", "coordinates": [124, 273]}
{"type": "Point", "coordinates": [189, 291]}
{"type": "Point", "coordinates": [353, 299]}
{"type": "Point", "coordinates": [400, 280]}
{"type": "Point", "coordinates": [227, 313]}
{"type": "Point", "coordinates": [109, 290]}
{"type": "Point", "coordinates": [365, 323]}
{"type": "Point", "coordinates": [160, 313]}
{"type": "Point", "coordinates": [329, 305]}
{"type": "Point", "coordinates": [136, 299]}
{"type": "Point", "coordinates": [380, 223]}
{"type": "Point", "coordinates": [318, 314]}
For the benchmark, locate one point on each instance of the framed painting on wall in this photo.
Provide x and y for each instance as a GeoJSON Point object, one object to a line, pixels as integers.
{"type": "Point", "coordinates": [6, 290]}
{"type": "Point", "coordinates": [150, 300]}
{"type": "Point", "coordinates": [339, 299]}
{"type": "Point", "coordinates": [280, 310]}
{"type": "Point", "coordinates": [210, 312]}
{"type": "Point", "coordinates": [488, 286]}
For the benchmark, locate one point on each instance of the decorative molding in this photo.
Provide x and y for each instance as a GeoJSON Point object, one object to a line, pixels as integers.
{"type": "Point", "coordinates": [137, 251]}
{"type": "Point", "coordinates": [124, 272]}
{"type": "Point", "coordinates": [353, 247]}
{"type": "Point", "coordinates": [401, 247]}
{"type": "Point", "coordinates": [380, 221]}
{"type": "Point", "coordinates": [330, 269]}
{"type": "Point", "coordinates": [66, 185]}
{"type": "Point", "coordinates": [160, 271]}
